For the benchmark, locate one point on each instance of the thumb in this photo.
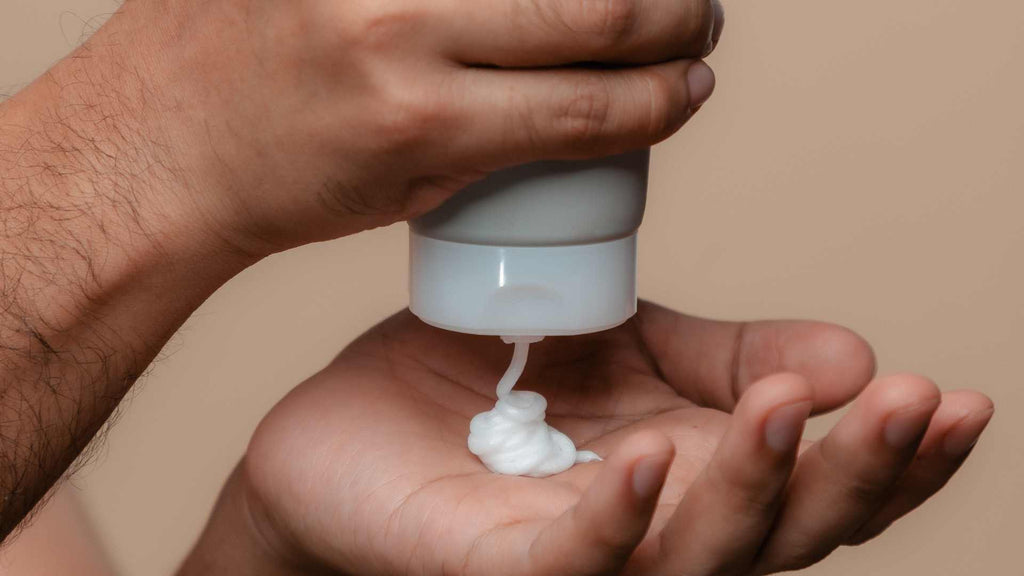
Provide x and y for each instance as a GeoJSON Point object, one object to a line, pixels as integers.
{"type": "Point", "coordinates": [599, 533]}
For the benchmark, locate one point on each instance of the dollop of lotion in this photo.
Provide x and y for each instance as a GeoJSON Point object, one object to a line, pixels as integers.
{"type": "Point", "coordinates": [513, 437]}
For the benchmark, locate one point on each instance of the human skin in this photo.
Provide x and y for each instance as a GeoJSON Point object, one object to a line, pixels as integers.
{"type": "Point", "coordinates": [188, 139]}
{"type": "Point", "coordinates": [60, 540]}
{"type": "Point", "coordinates": [363, 469]}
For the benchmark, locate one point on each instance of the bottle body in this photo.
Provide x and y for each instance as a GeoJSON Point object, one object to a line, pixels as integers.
{"type": "Point", "coordinates": [542, 249]}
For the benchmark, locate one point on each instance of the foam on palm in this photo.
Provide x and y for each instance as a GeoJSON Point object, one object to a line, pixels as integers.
{"type": "Point", "coordinates": [513, 438]}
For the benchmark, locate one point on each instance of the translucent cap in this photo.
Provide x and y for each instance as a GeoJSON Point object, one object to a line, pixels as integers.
{"type": "Point", "coordinates": [522, 290]}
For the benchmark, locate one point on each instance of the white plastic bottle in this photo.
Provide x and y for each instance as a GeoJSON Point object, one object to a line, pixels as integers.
{"type": "Point", "coordinates": [544, 249]}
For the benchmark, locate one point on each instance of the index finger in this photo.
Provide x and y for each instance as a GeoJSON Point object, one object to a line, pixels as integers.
{"type": "Point", "coordinates": [535, 33]}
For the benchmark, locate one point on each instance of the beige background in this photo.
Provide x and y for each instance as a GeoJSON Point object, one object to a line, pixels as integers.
{"type": "Point", "coordinates": [860, 163]}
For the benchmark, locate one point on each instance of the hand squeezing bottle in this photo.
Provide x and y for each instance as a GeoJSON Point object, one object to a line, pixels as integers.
{"type": "Point", "coordinates": [543, 249]}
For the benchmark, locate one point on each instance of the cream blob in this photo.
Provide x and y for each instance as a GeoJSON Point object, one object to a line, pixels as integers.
{"type": "Point", "coordinates": [513, 437]}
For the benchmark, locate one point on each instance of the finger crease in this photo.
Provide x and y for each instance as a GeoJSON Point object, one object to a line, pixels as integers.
{"type": "Point", "coordinates": [737, 361]}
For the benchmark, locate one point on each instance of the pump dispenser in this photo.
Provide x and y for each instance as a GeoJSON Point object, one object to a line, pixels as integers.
{"type": "Point", "coordinates": [543, 249]}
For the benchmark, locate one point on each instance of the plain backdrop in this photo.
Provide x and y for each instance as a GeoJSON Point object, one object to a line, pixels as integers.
{"type": "Point", "coordinates": [862, 162]}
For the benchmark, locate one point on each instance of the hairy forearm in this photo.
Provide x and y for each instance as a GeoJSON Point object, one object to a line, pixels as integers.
{"type": "Point", "coordinates": [100, 261]}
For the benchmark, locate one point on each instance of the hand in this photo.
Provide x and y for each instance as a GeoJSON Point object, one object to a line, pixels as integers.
{"type": "Point", "coordinates": [364, 468]}
{"type": "Point", "coordinates": [188, 138]}
{"type": "Point", "coordinates": [291, 122]}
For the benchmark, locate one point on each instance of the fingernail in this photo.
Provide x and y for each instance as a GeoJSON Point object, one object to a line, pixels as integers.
{"type": "Point", "coordinates": [785, 426]}
{"type": "Point", "coordinates": [648, 476]}
{"type": "Point", "coordinates": [701, 82]}
{"type": "Point", "coordinates": [709, 47]}
{"type": "Point", "coordinates": [717, 21]}
{"type": "Point", "coordinates": [907, 426]}
{"type": "Point", "coordinates": [961, 439]}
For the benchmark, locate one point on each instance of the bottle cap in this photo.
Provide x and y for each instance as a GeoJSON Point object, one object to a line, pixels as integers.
{"type": "Point", "coordinates": [522, 290]}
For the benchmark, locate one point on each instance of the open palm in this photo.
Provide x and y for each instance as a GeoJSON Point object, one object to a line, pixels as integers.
{"type": "Point", "coordinates": [364, 468]}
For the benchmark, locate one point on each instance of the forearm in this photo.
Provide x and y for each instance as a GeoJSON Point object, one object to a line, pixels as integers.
{"type": "Point", "coordinates": [100, 262]}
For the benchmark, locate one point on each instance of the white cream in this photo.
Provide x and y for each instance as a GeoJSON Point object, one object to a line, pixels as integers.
{"type": "Point", "coordinates": [513, 437]}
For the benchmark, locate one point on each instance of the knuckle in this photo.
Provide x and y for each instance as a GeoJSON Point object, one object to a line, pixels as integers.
{"type": "Point", "coordinates": [410, 117]}
{"type": "Point", "coordinates": [587, 114]}
{"type": "Point", "coordinates": [665, 110]}
{"type": "Point", "coordinates": [321, 25]}
{"type": "Point", "coordinates": [859, 481]}
{"type": "Point", "coordinates": [698, 22]}
{"type": "Point", "coordinates": [802, 555]}
{"type": "Point", "coordinates": [865, 490]}
{"type": "Point", "coordinates": [342, 200]}
{"type": "Point", "coordinates": [611, 539]}
{"type": "Point", "coordinates": [381, 25]}
{"type": "Point", "coordinates": [866, 535]}
{"type": "Point", "coordinates": [747, 486]}
{"type": "Point", "coordinates": [609, 19]}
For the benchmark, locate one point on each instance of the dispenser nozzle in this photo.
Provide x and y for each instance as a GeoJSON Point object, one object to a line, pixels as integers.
{"type": "Point", "coordinates": [518, 364]}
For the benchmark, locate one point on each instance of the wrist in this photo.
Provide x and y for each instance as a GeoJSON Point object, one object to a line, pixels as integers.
{"type": "Point", "coordinates": [97, 209]}
{"type": "Point", "coordinates": [122, 113]}
{"type": "Point", "coordinates": [94, 140]}
{"type": "Point", "coordinates": [175, 66]}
